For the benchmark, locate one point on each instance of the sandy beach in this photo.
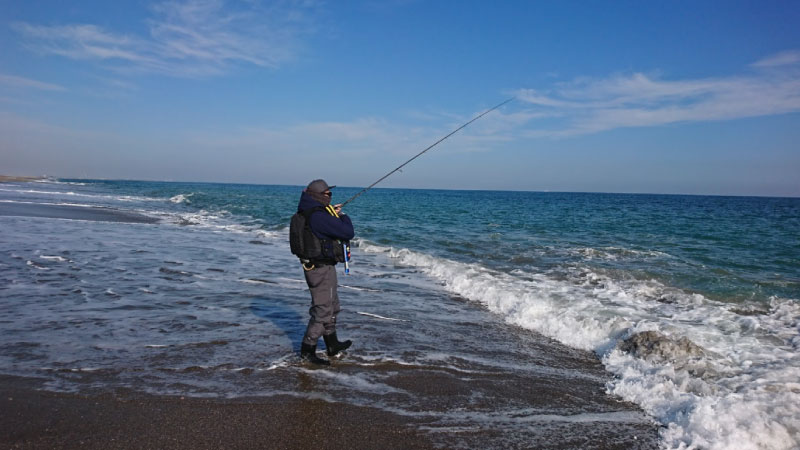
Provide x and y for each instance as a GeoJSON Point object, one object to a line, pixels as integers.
{"type": "Point", "coordinates": [34, 419]}
{"type": "Point", "coordinates": [37, 419]}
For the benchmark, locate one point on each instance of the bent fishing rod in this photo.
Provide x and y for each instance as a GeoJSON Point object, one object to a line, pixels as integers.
{"type": "Point", "coordinates": [420, 153]}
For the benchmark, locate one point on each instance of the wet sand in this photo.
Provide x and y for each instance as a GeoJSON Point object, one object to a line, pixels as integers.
{"type": "Point", "coordinates": [72, 212]}
{"type": "Point", "coordinates": [37, 419]}
{"type": "Point", "coordinates": [33, 419]}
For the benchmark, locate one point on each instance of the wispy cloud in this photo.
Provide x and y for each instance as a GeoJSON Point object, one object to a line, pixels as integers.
{"type": "Point", "coordinates": [363, 136]}
{"type": "Point", "coordinates": [638, 100]}
{"type": "Point", "coordinates": [370, 136]}
{"type": "Point", "coordinates": [20, 82]}
{"type": "Point", "coordinates": [781, 59]}
{"type": "Point", "coordinates": [186, 38]}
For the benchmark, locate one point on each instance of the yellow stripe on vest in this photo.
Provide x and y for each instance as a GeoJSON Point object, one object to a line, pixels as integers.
{"type": "Point", "coordinates": [331, 211]}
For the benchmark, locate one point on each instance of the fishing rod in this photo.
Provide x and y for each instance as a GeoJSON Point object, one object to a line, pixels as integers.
{"type": "Point", "coordinates": [420, 153]}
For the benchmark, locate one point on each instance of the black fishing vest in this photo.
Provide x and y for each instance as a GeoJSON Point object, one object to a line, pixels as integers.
{"type": "Point", "coordinates": [307, 246]}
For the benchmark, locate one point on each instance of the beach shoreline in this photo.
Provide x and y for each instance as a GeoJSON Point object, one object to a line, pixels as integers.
{"type": "Point", "coordinates": [518, 335]}
{"type": "Point", "coordinates": [72, 212]}
{"type": "Point", "coordinates": [65, 211]}
{"type": "Point", "coordinates": [222, 370]}
{"type": "Point", "coordinates": [34, 418]}
{"type": "Point", "coordinates": [18, 179]}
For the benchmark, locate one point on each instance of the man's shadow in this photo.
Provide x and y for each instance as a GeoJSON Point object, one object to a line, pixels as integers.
{"type": "Point", "coordinates": [282, 315]}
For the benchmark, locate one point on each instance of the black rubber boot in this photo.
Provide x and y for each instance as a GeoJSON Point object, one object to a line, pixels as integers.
{"type": "Point", "coordinates": [309, 353]}
{"type": "Point", "coordinates": [334, 346]}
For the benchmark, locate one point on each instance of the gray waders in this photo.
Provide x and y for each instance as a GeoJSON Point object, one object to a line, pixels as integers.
{"type": "Point", "coordinates": [322, 283]}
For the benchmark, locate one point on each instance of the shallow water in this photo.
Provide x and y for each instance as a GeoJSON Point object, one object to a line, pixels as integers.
{"type": "Point", "coordinates": [496, 297]}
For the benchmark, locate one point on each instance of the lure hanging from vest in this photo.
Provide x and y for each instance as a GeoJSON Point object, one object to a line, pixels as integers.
{"type": "Point", "coordinates": [308, 247]}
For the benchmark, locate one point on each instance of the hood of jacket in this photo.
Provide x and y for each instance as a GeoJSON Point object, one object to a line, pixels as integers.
{"type": "Point", "coordinates": [307, 202]}
{"type": "Point", "coordinates": [325, 226]}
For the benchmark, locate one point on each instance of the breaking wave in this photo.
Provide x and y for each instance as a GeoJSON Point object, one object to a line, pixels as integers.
{"type": "Point", "coordinates": [714, 377]}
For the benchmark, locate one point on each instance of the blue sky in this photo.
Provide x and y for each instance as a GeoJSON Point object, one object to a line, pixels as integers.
{"type": "Point", "coordinates": [664, 97]}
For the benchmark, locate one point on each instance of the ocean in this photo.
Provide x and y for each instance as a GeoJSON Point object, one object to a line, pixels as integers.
{"type": "Point", "coordinates": [684, 306]}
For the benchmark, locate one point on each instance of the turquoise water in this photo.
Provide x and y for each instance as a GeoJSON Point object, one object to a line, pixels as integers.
{"type": "Point", "coordinates": [732, 249]}
{"type": "Point", "coordinates": [691, 303]}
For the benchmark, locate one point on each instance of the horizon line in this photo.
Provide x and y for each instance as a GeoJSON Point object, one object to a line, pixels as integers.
{"type": "Point", "coordinates": [44, 177]}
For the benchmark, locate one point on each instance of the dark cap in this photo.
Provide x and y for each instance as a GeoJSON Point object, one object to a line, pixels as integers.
{"type": "Point", "coordinates": [318, 186]}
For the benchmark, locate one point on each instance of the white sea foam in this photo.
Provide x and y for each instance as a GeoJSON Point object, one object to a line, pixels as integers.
{"type": "Point", "coordinates": [48, 180]}
{"type": "Point", "coordinates": [527, 416]}
{"type": "Point", "coordinates": [292, 280]}
{"type": "Point", "coordinates": [49, 203]}
{"type": "Point", "coordinates": [269, 234]}
{"type": "Point", "coordinates": [123, 198]}
{"type": "Point", "coordinates": [54, 258]}
{"type": "Point", "coordinates": [74, 369]}
{"type": "Point", "coordinates": [37, 266]}
{"type": "Point", "coordinates": [380, 317]}
{"type": "Point", "coordinates": [278, 363]}
{"type": "Point", "coordinates": [219, 221]}
{"type": "Point", "coordinates": [616, 253]}
{"type": "Point", "coordinates": [255, 281]}
{"type": "Point", "coordinates": [739, 390]}
{"type": "Point", "coordinates": [358, 288]}
{"type": "Point", "coordinates": [359, 382]}
{"type": "Point", "coordinates": [181, 198]}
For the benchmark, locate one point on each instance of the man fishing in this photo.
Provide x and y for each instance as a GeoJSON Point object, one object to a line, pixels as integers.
{"type": "Point", "coordinates": [316, 236]}
{"type": "Point", "coordinates": [326, 230]}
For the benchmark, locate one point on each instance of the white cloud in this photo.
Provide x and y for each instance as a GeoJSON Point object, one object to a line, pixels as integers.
{"type": "Point", "coordinates": [359, 137]}
{"type": "Point", "coordinates": [640, 100]}
{"type": "Point", "coordinates": [20, 82]}
{"type": "Point", "coordinates": [362, 141]}
{"type": "Point", "coordinates": [186, 38]}
{"type": "Point", "coordinates": [780, 59]}
{"type": "Point", "coordinates": [83, 42]}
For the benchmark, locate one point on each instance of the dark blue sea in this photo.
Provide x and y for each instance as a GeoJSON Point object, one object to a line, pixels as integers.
{"type": "Point", "coordinates": [690, 303]}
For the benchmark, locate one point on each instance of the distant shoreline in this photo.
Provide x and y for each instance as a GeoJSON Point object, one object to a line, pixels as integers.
{"type": "Point", "coordinates": [10, 179]}
{"type": "Point", "coordinates": [73, 212]}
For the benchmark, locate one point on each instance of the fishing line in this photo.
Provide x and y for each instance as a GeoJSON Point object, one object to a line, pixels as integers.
{"type": "Point", "coordinates": [420, 153]}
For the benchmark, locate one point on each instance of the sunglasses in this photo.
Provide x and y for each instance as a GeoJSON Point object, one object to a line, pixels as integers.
{"type": "Point", "coordinates": [327, 194]}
